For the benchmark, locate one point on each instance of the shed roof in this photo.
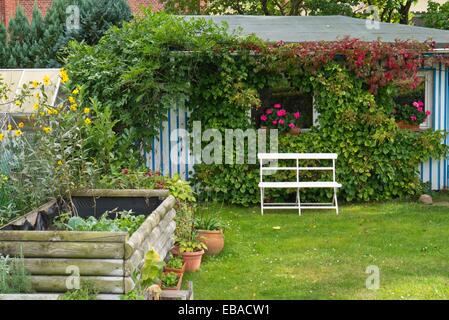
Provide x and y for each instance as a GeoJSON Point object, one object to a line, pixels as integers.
{"type": "Point", "coordinates": [325, 28]}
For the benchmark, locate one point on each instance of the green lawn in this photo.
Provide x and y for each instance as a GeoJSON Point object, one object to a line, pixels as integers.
{"type": "Point", "coordinates": [323, 256]}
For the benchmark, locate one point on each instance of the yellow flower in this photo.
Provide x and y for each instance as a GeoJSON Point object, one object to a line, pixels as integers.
{"type": "Point", "coordinates": [52, 111]}
{"type": "Point", "coordinates": [47, 81]}
{"type": "Point", "coordinates": [87, 121]}
{"type": "Point", "coordinates": [35, 84]}
{"type": "Point", "coordinates": [72, 100]}
{"type": "Point", "coordinates": [73, 107]}
{"type": "Point", "coordinates": [59, 163]}
{"type": "Point", "coordinates": [47, 130]}
{"type": "Point", "coordinates": [18, 103]}
{"type": "Point", "coordinates": [21, 125]}
{"type": "Point", "coordinates": [36, 106]}
{"type": "Point", "coordinates": [64, 76]}
{"type": "Point", "coordinates": [37, 95]}
{"type": "Point", "coordinates": [18, 133]}
{"type": "Point", "coordinates": [76, 91]}
{"type": "Point", "coordinates": [9, 127]}
{"type": "Point", "coordinates": [86, 110]}
{"type": "Point", "coordinates": [2, 136]}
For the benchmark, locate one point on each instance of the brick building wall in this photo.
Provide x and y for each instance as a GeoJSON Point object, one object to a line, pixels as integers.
{"type": "Point", "coordinates": [8, 7]}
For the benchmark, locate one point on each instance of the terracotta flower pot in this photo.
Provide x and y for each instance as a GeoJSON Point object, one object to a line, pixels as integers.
{"type": "Point", "coordinates": [178, 285]}
{"type": "Point", "coordinates": [213, 239]}
{"type": "Point", "coordinates": [295, 131]}
{"type": "Point", "coordinates": [404, 125]}
{"type": "Point", "coordinates": [182, 270]}
{"type": "Point", "coordinates": [192, 260]}
{"type": "Point", "coordinates": [175, 250]}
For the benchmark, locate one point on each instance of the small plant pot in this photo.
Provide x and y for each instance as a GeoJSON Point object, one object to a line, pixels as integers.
{"type": "Point", "coordinates": [404, 125]}
{"type": "Point", "coordinates": [175, 250]}
{"type": "Point", "coordinates": [213, 239]}
{"type": "Point", "coordinates": [182, 270]}
{"type": "Point", "coordinates": [192, 260]}
{"type": "Point", "coordinates": [295, 131]}
{"type": "Point", "coordinates": [178, 285]}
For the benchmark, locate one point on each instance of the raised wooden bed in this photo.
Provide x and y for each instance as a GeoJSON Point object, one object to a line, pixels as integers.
{"type": "Point", "coordinates": [106, 259]}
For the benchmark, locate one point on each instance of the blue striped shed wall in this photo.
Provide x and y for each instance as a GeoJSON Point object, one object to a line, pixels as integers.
{"type": "Point", "coordinates": [170, 153]}
{"type": "Point", "coordinates": [435, 171]}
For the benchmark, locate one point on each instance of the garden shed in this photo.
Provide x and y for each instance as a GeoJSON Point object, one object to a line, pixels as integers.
{"type": "Point", "coordinates": [301, 29]}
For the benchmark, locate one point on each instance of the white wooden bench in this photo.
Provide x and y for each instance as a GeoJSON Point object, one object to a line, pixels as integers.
{"type": "Point", "coordinates": [298, 185]}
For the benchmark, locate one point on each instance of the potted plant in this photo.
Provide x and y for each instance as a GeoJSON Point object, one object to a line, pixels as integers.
{"type": "Point", "coordinates": [175, 264]}
{"type": "Point", "coordinates": [410, 116]}
{"type": "Point", "coordinates": [210, 231]}
{"type": "Point", "coordinates": [184, 225]}
{"type": "Point", "coordinates": [276, 117]}
{"type": "Point", "coordinates": [171, 281]}
{"type": "Point", "coordinates": [192, 252]}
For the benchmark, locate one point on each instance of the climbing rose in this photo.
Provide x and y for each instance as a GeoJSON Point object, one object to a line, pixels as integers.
{"type": "Point", "coordinates": [275, 122]}
{"type": "Point", "coordinates": [281, 121]}
{"type": "Point", "coordinates": [413, 118]}
{"type": "Point", "coordinates": [297, 115]}
{"type": "Point", "coordinates": [277, 106]}
{"type": "Point", "coordinates": [291, 125]}
{"type": "Point", "coordinates": [420, 109]}
{"type": "Point", "coordinates": [263, 118]}
{"type": "Point", "coordinates": [415, 104]}
{"type": "Point", "coordinates": [428, 113]}
{"type": "Point", "coordinates": [269, 111]}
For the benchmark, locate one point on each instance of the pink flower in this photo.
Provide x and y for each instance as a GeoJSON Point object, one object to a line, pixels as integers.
{"type": "Point", "coordinates": [419, 109]}
{"type": "Point", "coordinates": [297, 115]}
{"type": "Point", "coordinates": [275, 122]}
{"type": "Point", "coordinates": [281, 121]}
{"type": "Point", "coordinates": [277, 106]}
{"type": "Point", "coordinates": [413, 118]}
{"type": "Point", "coordinates": [291, 125]}
{"type": "Point", "coordinates": [269, 111]}
{"type": "Point", "coordinates": [281, 113]}
{"type": "Point", "coordinates": [415, 104]}
{"type": "Point", "coordinates": [421, 104]}
{"type": "Point", "coordinates": [263, 118]}
{"type": "Point", "coordinates": [428, 113]}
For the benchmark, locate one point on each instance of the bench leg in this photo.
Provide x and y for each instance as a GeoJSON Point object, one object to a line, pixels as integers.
{"type": "Point", "coordinates": [299, 201]}
{"type": "Point", "coordinates": [335, 200]}
{"type": "Point", "coordinates": [261, 200]}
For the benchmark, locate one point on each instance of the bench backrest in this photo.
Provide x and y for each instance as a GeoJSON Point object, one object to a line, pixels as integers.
{"type": "Point", "coordinates": [294, 156]}
{"type": "Point", "coordinates": [297, 157]}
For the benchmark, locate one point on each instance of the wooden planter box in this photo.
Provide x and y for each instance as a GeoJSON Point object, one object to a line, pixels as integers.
{"type": "Point", "coordinates": [106, 259]}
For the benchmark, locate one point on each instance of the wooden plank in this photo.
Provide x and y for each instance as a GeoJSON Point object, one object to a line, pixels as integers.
{"type": "Point", "coordinates": [59, 283]}
{"type": "Point", "coordinates": [134, 193]}
{"type": "Point", "coordinates": [64, 236]}
{"type": "Point", "coordinates": [51, 296]}
{"type": "Point", "coordinates": [42, 249]}
{"type": "Point", "coordinates": [30, 216]}
{"type": "Point", "coordinates": [87, 267]}
{"type": "Point", "coordinates": [150, 224]}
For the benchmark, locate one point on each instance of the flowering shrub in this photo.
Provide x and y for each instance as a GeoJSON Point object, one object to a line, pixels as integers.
{"type": "Point", "coordinates": [278, 118]}
{"type": "Point", "coordinates": [413, 113]}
